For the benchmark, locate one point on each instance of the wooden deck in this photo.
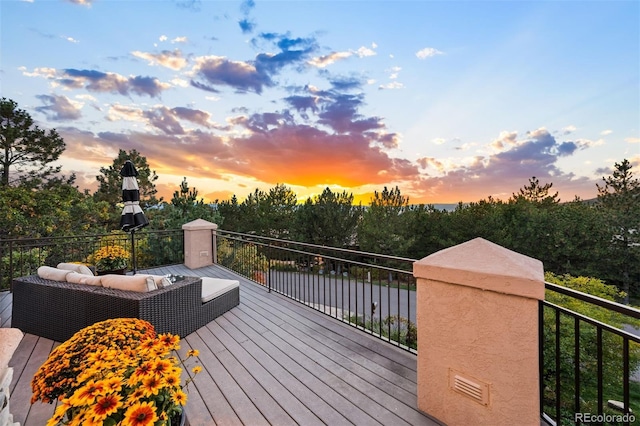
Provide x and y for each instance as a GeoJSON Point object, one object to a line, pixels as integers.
{"type": "Point", "coordinates": [271, 361]}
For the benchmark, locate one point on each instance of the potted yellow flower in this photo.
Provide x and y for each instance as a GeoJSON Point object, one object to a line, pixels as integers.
{"type": "Point", "coordinates": [115, 372]}
{"type": "Point", "coordinates": [110, 259]}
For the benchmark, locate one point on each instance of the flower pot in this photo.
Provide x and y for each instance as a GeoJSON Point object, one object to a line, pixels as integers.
{"type": "Point", "coordinates": [183, 418]}
{"type": "Point", "coordinates": [116, 272]}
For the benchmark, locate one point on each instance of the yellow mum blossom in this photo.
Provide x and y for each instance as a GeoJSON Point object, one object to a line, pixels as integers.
{"type": "Point", "coordinates": [179, 398]}
{"type": "Point", "coordinates": [171, 380]}
{"type": "Point", "coordinates": [150, 385]}
{"type": "Point", "coordinates": [141, 414]}
{"type": "Point", "coordinates": [106, 405]}
{"type": "Point", "coordinates": [110, 258]}
{"type": "Point", "coordinates": [86, 394]}
{"type": "Point", "coordinates": [115, 372]}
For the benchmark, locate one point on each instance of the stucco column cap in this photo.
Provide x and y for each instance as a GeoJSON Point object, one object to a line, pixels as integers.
{"type": "Point", "coordinates": [484, 265]}
{"type": "Point", "coordinates": [198, 224]}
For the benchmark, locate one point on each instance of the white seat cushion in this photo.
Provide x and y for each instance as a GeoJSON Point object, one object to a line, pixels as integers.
{"type": "Point", "coordinates": [214, 287]}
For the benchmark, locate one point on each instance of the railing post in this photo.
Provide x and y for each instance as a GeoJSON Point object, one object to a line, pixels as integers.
{"type": "Point", "coordinates": [198, 249]}
{"type": "Point", "coordinates": [214, 244]}
{"type": "Point", "coordinates": [269, 267]}
{"type": "Point", "coordinates": [11, 266]}
{"type": "Point", "coordinates": [477, 319]}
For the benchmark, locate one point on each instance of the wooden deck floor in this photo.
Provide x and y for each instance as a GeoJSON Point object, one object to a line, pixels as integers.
{"type": "Point", "coordinates": [268, 361]}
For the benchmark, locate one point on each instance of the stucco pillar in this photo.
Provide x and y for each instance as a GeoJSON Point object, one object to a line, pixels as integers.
{"type": "Point", "coordinates": [199, 249]}
{"type": "Point", "coordinates": [477, 319]}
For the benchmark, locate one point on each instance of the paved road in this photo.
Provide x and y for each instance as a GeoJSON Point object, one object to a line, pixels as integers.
{"type": "Point", "coordinates": [348, 295]}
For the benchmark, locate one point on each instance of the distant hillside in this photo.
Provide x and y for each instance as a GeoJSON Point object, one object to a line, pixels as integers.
{"type": "Point", "coordinates": [447, 207]}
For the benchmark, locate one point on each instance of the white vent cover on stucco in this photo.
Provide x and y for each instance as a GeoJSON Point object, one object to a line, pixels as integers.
{"type": "Point", "coordinates": [469, 387]}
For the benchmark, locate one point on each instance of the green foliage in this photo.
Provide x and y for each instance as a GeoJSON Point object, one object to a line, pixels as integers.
{"type": "Point", "coordinates": [110, 181]}
{"type": "Point", "coordinates": [184, 208]}
{"type": "Point", "coordinates": [22, 262]}
{"type": "Point", "coordinates": [283, 265]}
{"type": "Point", "coordinates": [230, 212]}
{"type": "Point", "coordinates": [384, 227]}
{"type": "Point", "coordinates": [25, 148]}
{"type": "Point", "coordinates": [263, 213]}
{"type": "Point", "coordinates": [394, 327]}
{"type": "Point", "coordinates": [611, 347]}
{"type": "Point", "coordinates": [242, 258]}
{"type": "Point", "coordinates": [60, 210]}
{"type": "Point", "coordinates": [328, 219]}
{"type": "Point", "coordinates": [536, 193]}
{"type": "Point", "coordinates": [619, 202]}
{"type": "Point", "coordinates": [159, 248]}
{"type": "Point", "coordinates": [432, 230]}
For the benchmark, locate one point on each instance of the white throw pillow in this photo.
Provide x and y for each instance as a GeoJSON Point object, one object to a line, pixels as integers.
{"type": "Point", "coordinates": [139, 283]}
{"type": "Point", "coordinates": [76, 267]}
{"type": "Point", "coordinates": [77, 278]}
{"type": "Point", "coordinates": [50, 273]}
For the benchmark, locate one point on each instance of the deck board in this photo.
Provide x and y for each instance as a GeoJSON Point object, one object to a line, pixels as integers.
{"type": "Point", "coordinates": [270, 360]}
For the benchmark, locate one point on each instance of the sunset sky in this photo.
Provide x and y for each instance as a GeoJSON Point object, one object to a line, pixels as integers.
{"type": "Point", "coordinates": [449, 100]}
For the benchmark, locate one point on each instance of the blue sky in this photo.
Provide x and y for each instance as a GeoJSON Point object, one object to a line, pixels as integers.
{"type": "Point", "coordinates": [450, 101]}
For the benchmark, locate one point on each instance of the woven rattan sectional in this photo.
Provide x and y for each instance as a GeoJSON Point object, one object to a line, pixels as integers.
{"type": "Point", "coordinates": [57, 309]}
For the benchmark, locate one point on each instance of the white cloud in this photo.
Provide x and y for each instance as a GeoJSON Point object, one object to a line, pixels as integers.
{"type": "Point", "coordinates": [394, 72]}
{"type": "Point", "coordinates": [606, 132]}
{"type": "Point", "coordinates": [333, 57]}
{"type": "Point", "coordinates": [179, 82]}
{"type": "Point", "coordinates": [179, 40]}
{"type": "Point", "coordinates": [428, 52]}
{"type": "Point", "coordinates": [121, 112]}
{"type": "Point", "coordinates": [392, 85]}
{"type": "Point", "coordinates": [569, 129]}
{"type": "Point", "coordinates": [40, 72]}
{"type": "Point", "coordinates": [365, 51]}
{"type": "Point", "coordinates": [505, 139]}
{"type": "Point", "coordinates": [163, 38]}
{"type": "Point", "coordinates": [438, 141]}
{"type": "Point", "coordinates": [324, 61]}
{"type": "Point", "coordinates": [86, 97]}
{"type": "Point", "coordinates": [71, 40]}
{"type": "Point", "coordinates": [632, 140]}
{"type": "Point", "coordinates": [172, 60]}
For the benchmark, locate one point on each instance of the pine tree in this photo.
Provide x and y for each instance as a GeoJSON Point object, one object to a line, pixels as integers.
{"type": "Point", "coordinates": [110, 182]}
{"type": "Point", "coordinates": [26, 150]}
{"type": "Point", "coordinates": [619, 199]}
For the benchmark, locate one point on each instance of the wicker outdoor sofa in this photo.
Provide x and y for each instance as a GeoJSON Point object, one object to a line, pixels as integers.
{"type": "Point", "coordinates": [58, 309]}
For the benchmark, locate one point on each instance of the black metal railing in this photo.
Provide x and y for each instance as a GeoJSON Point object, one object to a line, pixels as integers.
{"type": "Point", "coordinates": [375, 293]}
{"type": "Point", "coordinates": [587, 366]}
{"type": "Point", "coordinates": [23, 256]}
